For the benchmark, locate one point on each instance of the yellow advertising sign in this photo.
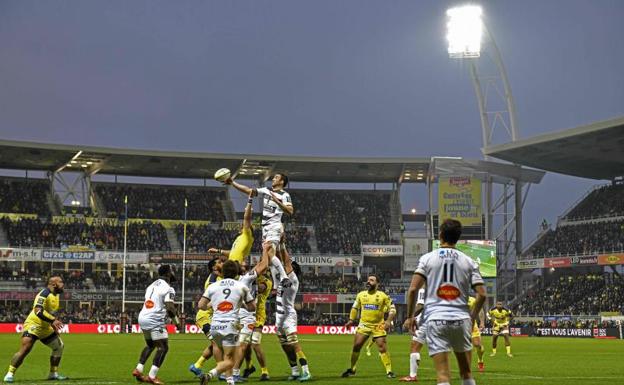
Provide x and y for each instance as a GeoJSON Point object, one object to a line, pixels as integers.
{"type": "Point", "coordinates": [459, 198]}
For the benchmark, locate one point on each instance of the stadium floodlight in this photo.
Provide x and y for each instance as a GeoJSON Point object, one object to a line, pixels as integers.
{"type": "Point", "coordinates": [464, 30]}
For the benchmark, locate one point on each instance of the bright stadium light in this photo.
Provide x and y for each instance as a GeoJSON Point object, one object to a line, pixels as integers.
{"type": "Point", "coordinates": [464, 29]}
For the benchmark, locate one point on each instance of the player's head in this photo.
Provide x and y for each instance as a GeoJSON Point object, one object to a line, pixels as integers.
{"type": "Point", "coordinates": [372, 282]}
{"type": "Point", "coordinates": [499, 305]}
{"type": "Point", "coordinates": [56, 284]}
{"type": "Point", "coordinates": [450, 231]}
{"type": "Point", "coordinates": [230, 269]}
{"type": "Point", "coordinates": [280, 180]}
{"type": "Point", "coordinates": [165, 272]}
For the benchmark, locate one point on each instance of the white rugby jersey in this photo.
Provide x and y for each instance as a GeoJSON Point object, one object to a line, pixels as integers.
{"type": "Point", "coordinates": [249, 280]}
{"type": "Point", "coordinates": [421, 301]}
{"type": "Point", "coordinates": [285, 301]}
{"type": "Point", "coordinates": [271, 212]}
{"type": "Point", "coordinates": [450, 274]}
{"type": "Point", "coordinates": [156, 295]}
{"type": "Point", "coordinates": [226, 297]}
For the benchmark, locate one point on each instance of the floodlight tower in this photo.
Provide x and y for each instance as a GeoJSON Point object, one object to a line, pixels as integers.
{"type": "Point", "coordinates": [466, 32]}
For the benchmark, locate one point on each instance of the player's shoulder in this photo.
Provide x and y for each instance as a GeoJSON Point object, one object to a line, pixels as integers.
{"type": "Point", "coordinates": [45, 293]}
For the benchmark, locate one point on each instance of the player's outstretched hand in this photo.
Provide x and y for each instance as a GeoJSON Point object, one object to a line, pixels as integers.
{"type": "Point", "coordinates": [228, 181]}
{"type": "Point", "coordinates": [57, 325]}
{"type": "Point", "coordinates": [213, 250]}
{"type": "Point", "coordinates": [388, 325]}
{"type": "Point", "coordinates": [349, 324]}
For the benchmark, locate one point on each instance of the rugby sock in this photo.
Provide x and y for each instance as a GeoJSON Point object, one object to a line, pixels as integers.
{"type": "Point", "coordinates": [200, 362]}
{"type": "Point", "coordinates": [444, 383]}
{"type": "Point", "coordinates": [303, 361]}
{"type": "Point", "coordinates": [12, 369]}
{"type": "Point", "coordinates": [236, 372]}
{"type": "Point", "coordinates": [354, 359]}
{"type": "Point", "coordinates": [139, 367]}
{"type": "Point", "coordinates": [508, 349]}
{"type": "Point", "coordinates": [414, 360]}
{"type": "Point", "coordinates": [213, 373]}
{"type": "Point", "coordinates": [294, 370]}
{"type": "Point", "coordinates": [470, 381]}
{"type": "Point", "coordinates": [494, 350]}
{"type": "Point", "coordinates": [53, 369]}
{"type": "Point", "coordinates": [229, 379]}
{"type": "Point", "coordinates": [248, 364]}
{"type": "Point", "coordinates": [385, 359]}
{"type": "Point", "coordinates": [153, 371]}
{"type": "Point", "coordinates": [480, 352]}
{"type": "Point", "coordinates": [264, 371]}
{"type": "Point", "coordinates": [276, 263]}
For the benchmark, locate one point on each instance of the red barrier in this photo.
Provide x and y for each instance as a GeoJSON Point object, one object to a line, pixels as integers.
{"type": "Point", "coordinates": [116, 328]}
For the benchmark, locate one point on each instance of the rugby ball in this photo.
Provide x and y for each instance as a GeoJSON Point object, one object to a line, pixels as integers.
{"type": "Point", "coordinates": [222, 174]}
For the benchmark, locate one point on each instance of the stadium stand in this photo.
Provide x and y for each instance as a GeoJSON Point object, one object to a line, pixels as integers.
{"type": "Point", "coordinates": [603, 201]}
{"type": "Point", "coordinates": [576, 294]}
{"type": "Point", "coordinates": [24, 196]}
{"type": "Point", "coordinates": [163, 202]}
{"type": "Point", "coordinates": [581, 239]}
{"type": "Point", "coordinates": [146, 236]}
{"type": "Point", "coordinates": [343, 219]}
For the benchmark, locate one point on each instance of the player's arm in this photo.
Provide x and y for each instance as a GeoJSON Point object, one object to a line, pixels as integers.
{"type": "Point", "coordinates": [214, 250]}
{"type": "Point", "coordinates": [262, 287]}
{"type": "Point", "coordinates": [248, 211]}
{"type": "Point", "coordinates": [479, 288]}
{"type": "Point", "coordinates": [482, 315]}
{"type": "Point", "coordinates": [171, 309]}
{"type": "Point", "coordinates": [204, 301]}
{"type": "Point", "coordinates": [353, 314]}
{"type": "Point", "coordinates": [391, 314]}
{"type": "Point", "coordinates": [286, 207]}
{"type": "Point", "coordinates": [42, 314]}
{"type": "Point", "coordinates": [241, 187]}
{"type": "Point", "coordinates": [249, 302]}
{"type": "Point", "coordinates": [263, 265]}
{"type": "Point", "coordinates": [418, 281]}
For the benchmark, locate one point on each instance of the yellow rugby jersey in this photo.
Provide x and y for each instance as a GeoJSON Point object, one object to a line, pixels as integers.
{"type": "Point", "coordinates": [500, 317]}
{"type": "Point", "coordinates": [242, 246]}
{"type": "Point", "coordinates": [49, 302]}
{"type": "Point", "coordinates": [262, 299]}
{"type": "Point", "coordinates": [372, 307]}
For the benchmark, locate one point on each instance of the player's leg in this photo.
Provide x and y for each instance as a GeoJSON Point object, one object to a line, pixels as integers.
{"type": "Point", "coordinates": [240, 351]}
{"type": "Point", "coordinates": [384, 355]}
{"type": "Point", "coordinates": [206, 354]}
{"type": "Point", "coordinates": [256, 343]}
{"type": "Point", "coordinates": [249, 368]}
{"type": "Point", "coordinates": [494, 340]}
{"type": "Point", "coordinates": [507, 342]}
{"type": "Point", "coordinates": [26, 344]}
{"type": "Point", "coordinates": [301, 357]}
{"type": "Point", "coordinates": [441, 365]}
{"type": "Point", "coordinates": [55, 343]}
{"type": "Point", "coordinates": [145, 353]}
{"type": "Point", "coordinates": [463, 362]}
{"type": "Point", "coordinates": [415, 348]}
{"type": "Point", "coordinates": [161, 342]}
{"type": "Point", "coordinates": [226, 345]}
{"type": "Point", "coordinates": [290, 353]}
{"type": "Point", "coordinates": [359, 339]}
{"type": "Point", "coordinates": [478, 347]}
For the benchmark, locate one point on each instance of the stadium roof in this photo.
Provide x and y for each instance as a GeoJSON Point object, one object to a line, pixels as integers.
{"type": "Point", "coordinates": [169, 164]}
{"type": "Point", "coordinates": [595, 151]}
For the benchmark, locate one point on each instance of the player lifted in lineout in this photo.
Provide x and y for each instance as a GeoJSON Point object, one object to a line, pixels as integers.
{"type": "Point", "coordinates": [42, 325]}
{"type": "Point", "coordinates": [159, 297]}
{"type": "Point", "coordinates": [372, 304]}
{"type": "Point", "coordinates": [276, 202]}
{"type": "Point", "coordinates": [501, 317]}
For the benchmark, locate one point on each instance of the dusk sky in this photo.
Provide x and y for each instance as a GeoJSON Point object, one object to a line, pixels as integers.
{"type": "Point", "coordinates": [338, 78]}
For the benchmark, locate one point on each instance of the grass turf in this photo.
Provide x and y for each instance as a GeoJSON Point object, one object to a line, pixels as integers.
{"type": "Point", "coordinates": [109, 359]}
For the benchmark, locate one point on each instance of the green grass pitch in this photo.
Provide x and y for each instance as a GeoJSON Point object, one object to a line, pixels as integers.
{"type": "Point", "coordinates": [109, 359]}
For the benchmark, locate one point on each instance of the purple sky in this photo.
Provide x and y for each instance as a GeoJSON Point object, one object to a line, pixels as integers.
{"type": "Point", "coordinates": [339, 78]}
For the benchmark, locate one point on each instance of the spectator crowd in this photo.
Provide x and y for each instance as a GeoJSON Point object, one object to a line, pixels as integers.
{"type": "Point", "coordinates": [343, 219]}
{"type": "Point", "coordinates": [24, 196]}
{"type": "Point", "coordinates": [605, 201]}
{"type": "Point", "coordinates": [581, 239]}
{"type": "Point", "coordinates": [575, 295]}
{"type": "Point", "coordinates": [163, 202]}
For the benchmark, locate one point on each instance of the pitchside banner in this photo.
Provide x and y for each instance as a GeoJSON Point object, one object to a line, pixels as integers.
{"type": "Point", "coordinates": [382, 250]}
{"type": "Point", "coordinates": [319, 260]}
{"type": "Point", "coordinates": [116, 329]}
{"type": "Point", "coordinates": [12, 254]}
{"type": "Point", "coordinates": [460, 198]}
